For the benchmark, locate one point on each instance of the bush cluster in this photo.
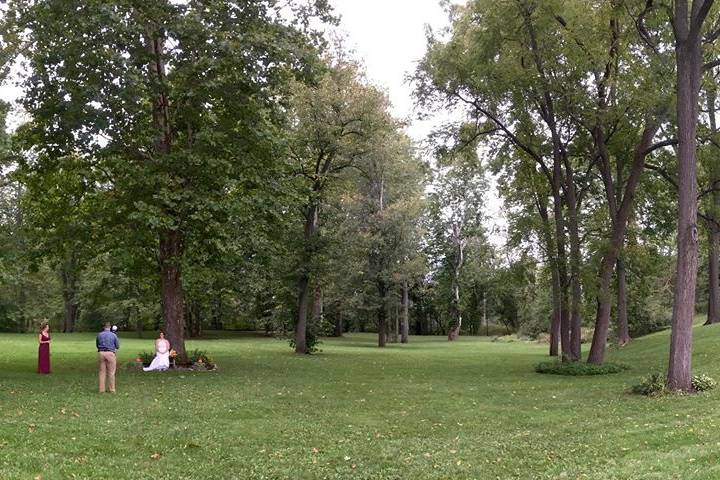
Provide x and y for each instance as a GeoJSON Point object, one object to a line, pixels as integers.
{"type": "Point", "coordinates": [146, 358]}
{"type": "Point", "coordinates": [579, 368]}
{"type": "Point", "coordinates": [651, 385]}
{"type": "Point", "coordinates": [654, 384]}
{"type": "Point", "coordinates": [703, 383]}
{"type": "Point", "coordinates": [200, 356]}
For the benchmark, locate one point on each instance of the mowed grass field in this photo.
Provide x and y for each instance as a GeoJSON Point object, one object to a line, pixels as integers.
{"type": "Point", "coordinates": [474, 409]}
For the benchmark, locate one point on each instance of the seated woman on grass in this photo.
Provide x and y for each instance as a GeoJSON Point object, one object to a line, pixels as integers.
{"type": "Point", "coordinates": [162, 355]}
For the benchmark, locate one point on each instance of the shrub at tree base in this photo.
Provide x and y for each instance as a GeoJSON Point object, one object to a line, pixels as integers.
{"type": "Point", "coordinates": [312, 342]}
{"type": "Point", "coordinates": [654, 384]}
{"type": "Point", "coordinates": [651, 385]}
{"type": "Point", "coordinates": [579, 368]}
{"type": "Point", "coordinates": [703, 383]}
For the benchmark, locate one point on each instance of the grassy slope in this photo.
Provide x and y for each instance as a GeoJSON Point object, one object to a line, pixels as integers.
{"type": "Point", "coordinates": [426, 410]}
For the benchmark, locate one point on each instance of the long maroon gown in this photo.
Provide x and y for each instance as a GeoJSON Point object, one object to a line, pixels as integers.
{"type": "Point", "coordinates": [44, 355]}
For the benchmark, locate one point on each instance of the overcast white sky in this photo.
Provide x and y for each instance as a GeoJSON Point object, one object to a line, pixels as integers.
{"type": "Point", "coordinates": [389, 37]}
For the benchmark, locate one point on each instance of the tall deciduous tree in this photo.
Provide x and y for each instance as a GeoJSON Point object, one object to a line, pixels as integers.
{"type": "Point", "coordinates": [335, 122]}
{"type": "Point", "coordinates": [688, 19]}
{"type": "Point", "coordinates": [175, 102]}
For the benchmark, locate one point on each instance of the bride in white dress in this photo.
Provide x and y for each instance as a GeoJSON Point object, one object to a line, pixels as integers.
{"type": "Point", "coordinates": [162, 355]}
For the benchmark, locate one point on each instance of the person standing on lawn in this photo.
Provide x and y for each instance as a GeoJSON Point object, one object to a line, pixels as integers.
{"type": "Point", "coordinates": [44, 349]}
{"type": "Point", "coordinates": [107, 344]}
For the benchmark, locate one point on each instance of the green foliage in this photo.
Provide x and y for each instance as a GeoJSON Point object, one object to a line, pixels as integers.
{"type": "Point", "coordinates": [146, 357]}
{"type": "Point", "coordinates": [651, 385]}
{"type": "Point", "coordinates": [579, 368]}
{"type": "Point", "coordinates": [197, 355]}
{"type": "Point", "coordinates": [703, 382]}
{"type": "Point", "coordinates": [314, 332]}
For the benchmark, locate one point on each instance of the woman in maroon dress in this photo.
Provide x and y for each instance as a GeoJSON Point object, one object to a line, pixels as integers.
{"type": "Point", "coordinates": [44, 350]}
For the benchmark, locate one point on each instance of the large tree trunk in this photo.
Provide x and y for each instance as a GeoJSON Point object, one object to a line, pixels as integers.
{"type": "Point", "coordinates": [688, 57]}
{"type": "Point", "coordinates": [546, 111]}
{"type": "Point", "coordinates": [404, 331]}
{"type": "Point", "coordinates": [575, 259]}
{"type": "Point", "coordinates": [622, 317]}
{"type": "Point", "coordinates": [171, 248]}
{"type": "Point", "coordinates": [310, 230]}
{"type": "Point", "coordinates": [617, 238]}
{"type": "Point", "coordinates": [171, 252]}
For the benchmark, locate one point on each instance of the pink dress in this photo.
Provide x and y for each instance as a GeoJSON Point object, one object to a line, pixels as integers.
{"type": "Point", "coordinates": [44, 355]}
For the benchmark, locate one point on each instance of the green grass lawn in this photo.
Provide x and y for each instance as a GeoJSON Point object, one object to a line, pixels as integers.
{"type": "Point", "coordinates": [427, 410]}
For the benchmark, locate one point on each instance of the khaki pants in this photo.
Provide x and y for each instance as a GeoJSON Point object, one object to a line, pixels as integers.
{"type": "Point", "coordinates": [107, 364]}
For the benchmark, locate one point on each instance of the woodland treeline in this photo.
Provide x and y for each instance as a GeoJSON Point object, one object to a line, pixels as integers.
{"type": "Point", "coordinates": [211, 164]}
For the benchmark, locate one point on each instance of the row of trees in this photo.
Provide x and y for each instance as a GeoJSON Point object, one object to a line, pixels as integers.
{"type": "Point", "coordinates": [222, 157]}
{"type": "Point", "coordinates": [573, 102]}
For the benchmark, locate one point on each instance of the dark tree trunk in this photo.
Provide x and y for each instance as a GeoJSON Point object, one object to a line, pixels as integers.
{"type": "Point", "coordinates": [622, 317]}
{"type": "Point", "coordinates": [546, 110]}
{"type": "Point", "coordinates": [134, 312]}
{"type": "Point", "coordinates": [396, 325]}
{"type": "Point", "coordinates": [623, 330]}
{"type": "Point", "coordinates": [69, 274]}
{"type": "Point", "coordinates": [556, 318]}
{"type": "Point", "coordinates": [310, 231]}
{"type": "Point", "coordinates": [171, 248]}
{"type": "Point", "coordinates": [338, 328]}
{"type": "Point", "coordinates": [217, 314]}
{"type": "Point", "coordinates": [382, 313]}
{"type": "Point", "coordinates": [617, 237]}
{"type": "Point", "coordinates": [561, 260]}
{"type": "Point", "coordinates": [575, 259]}
{"type": "Point", "coordinates": [171, 252]}
{"type": "Point", "coordinates": [302, 311]}
{"type": "Point", "coordinates": [194, 319]}
{"type": "Point", "coordinates": [713, 313]}
{"type": "Point", "coordinates": [405, 314]}
{"type": "Point", "coordinates": [689, 62]}
{"type": "Point", "coordinates": [456, 314]}
{"type": "Point", "coordinates": [317, 308]}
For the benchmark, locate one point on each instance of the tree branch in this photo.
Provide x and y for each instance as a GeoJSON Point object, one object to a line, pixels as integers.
{"type": "Point", "coordinates": [664, 143]}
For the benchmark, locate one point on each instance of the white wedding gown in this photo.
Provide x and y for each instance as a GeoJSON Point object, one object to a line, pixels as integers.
{"type": "Point", "coordinates": [162, 357]}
